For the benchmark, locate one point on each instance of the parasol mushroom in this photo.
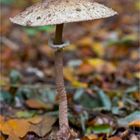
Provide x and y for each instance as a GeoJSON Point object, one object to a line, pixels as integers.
{"type": "Point", "coordinates": [58, 12]}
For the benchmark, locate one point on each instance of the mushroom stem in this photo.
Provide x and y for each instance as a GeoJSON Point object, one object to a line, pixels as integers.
{"type": "Point", "coordinates": [59, 34]}
{"type": "Point", "coordinates": [63, 107]}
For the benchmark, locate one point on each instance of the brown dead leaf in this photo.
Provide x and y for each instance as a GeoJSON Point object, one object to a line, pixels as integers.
{"type": "Point", "coordinates": [14, 128]}
{"type": "Point", "coordinates": [91, 137]}
{"type": "Point", "coordinates": [115, 138]}
{"type": "Point", "coordinates": [134, 55]}
{"type": "Point", "coordinates": [135, 123]}
{"type": "Point", "coordinates": [44, 49]}
{"type": "Point", "coordinates": [85, 69]}
{"type": "Point", "coordinates": [115, 52]}
{"type": "Point", "coordinates": [36, 104]}
{"type": "Point", "coordinates": [2, 137]}
{"type": "Point", "coordinates": [42, 128]}
{"type": "Point", "coordinates": [86, 41]}
{"type": "Point", "coordinates": [100, 65]}
{"type": "Point", "coordinates": [18, 128]}
{"type": "Point", "coordinates": [35, 120]}
{"type": "Point", "coordinates": [69, 75]}
{"type": "Point", "coordinates": [137, 96]}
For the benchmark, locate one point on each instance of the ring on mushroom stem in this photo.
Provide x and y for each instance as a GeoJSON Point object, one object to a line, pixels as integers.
{"type": "Point", "coordinates": [59, 46]}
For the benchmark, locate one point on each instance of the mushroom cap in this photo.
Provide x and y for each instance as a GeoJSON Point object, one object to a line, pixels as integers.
{"type": "Point", "coordinates": [50, 12]}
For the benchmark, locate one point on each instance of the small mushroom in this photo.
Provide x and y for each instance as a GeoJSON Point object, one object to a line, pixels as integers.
{"type": "Point", "coordinates": [58, 12]}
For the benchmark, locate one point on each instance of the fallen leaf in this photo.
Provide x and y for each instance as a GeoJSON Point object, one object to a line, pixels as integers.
{"type": "Point", "coordinates": [91, 137]}
{"type": "Point", "coordinates": [44, 49]}
{"type": "Point", "coordinates": [137, 95]}
{"type": "Point", "coordinates": [85, 69]}
{"type": "Point", "coordinates": [69, 75]}
{"type": "Point", "coordinates": [134, 55]}
{"type": "Point", "coordinates": [25, 114]}
{"type": "Point", "coordinates": [2, 137]}
{"type": "Point", "coordinates": [120, 104]}
{"type": "Point", "coordinates": [86, 41]}
{"type": "Point", "coordinates": [125, 121]}
{"type": "Point", "coordinates": [117, 51]}
{"type": "Point", "coordinates": [14, 128]}
{"type": "Point", "coordinates": [100, 129]}
{"type": "Point", "coordinates": [78, 84]}
{"type": "Point", "coordinates": [71, 47]}
{"type": "Point", "coordinates": [137, 5]}
{"type": "Point", "coordinates": [6, 97]}
{"type": "Point", "coordinates": [137, 75]}
{"type": "Point", "coordinates": [18, 128]}
{"type": "Point", "coordinates": [115, 138]}
{"type": "Point", "coordinates": [135, 123]}
{"type": "Point", "coordinates": [37, 104]}
{"type": "Point", "coordinates": [35, 120]}
{"type": "Point", "coordinates": [42, 128]}
{"type": "Point", "coordinates": [100, 65]}
{"type": "Point", "coordinates": [98, 49]}
{"type": "Point", "coordinates": [3, 80]}
{"type": "Point", "coordinates": [104, 98]}
{"type": "Point", "coordinates": [95, 62]}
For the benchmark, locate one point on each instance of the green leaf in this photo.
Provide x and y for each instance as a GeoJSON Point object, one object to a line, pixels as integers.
{"type": "Point", "coordinates": [125, 41]}
{"type": "Point", "coordinates": [33, 31]}
{"type": "Point", "coordinates": [15, 77]}
{"type": "Point", "coordinates": [6, 97]}
{"type": "Point", "coordinates": [115, 110]}
{"type": "Point", "coordinates": [133, 116]}
{"type": "Point", "coordinates": [78, 94]}
{"type": "Point", "coordinates": [25, 114]}
{"type": "Point", "coordinates": [7, 2]}
{"type": "Point", "coordinates": [131, 90]}
{"type": "Point", "coordinates": [127, 96]}
{"type": "Point", "coordinates": [105, 100]}
{"type": "Point", "coordinates": [48, 28]}
{"type": "Point", "coordinates": [83, 119]}
{"type": "Point", "coordinates": [99, 129]}
{"type": "Point", "coordinates": [129, 38]}
{"type": "Point", "coordinates": [84, 99]}
{"type": "Point", "coordinates": [25, 93]}
{"type": "Point", "coordinates": [48, 95]}
{"type": "Point", "coordinates": [113, 42]}
{"type": "Point", "coordinates": [102, 129]}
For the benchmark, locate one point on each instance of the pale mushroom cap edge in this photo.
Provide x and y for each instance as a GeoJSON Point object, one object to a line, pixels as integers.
{"type": "Point", "coordinates": [51, 12]}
